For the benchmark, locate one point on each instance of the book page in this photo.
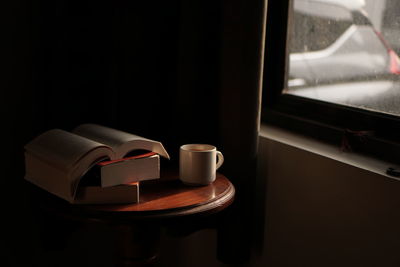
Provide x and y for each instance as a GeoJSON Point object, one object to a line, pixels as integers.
{"type": "Point", "coordinates": [120, 194]}
{"type": "Point", "coordinates": [128, 171]}
{"type": "Point", "coordinates": [64, 149]}
{"type": "Point", "coordinates": [121, 142]}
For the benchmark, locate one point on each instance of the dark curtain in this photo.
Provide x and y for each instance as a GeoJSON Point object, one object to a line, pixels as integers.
{"type": "Point", "coordinates": [175, 71]}
{"type": "Point", "coordinates": [241, 76]}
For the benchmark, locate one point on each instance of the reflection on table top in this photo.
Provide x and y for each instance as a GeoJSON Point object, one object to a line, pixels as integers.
{"type": "Point", "coordinates": [163, 198]}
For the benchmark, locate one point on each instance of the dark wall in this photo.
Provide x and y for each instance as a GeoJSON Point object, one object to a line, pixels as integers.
{"type": "Point", "coordinates": [103, 62]}
{"type": "Point", "coordinates": [141, 66]}
{"type": "Point", "coordinates": [144, 67]}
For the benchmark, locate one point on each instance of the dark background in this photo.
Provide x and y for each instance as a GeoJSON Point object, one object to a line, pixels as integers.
{"type": "Point", "coordinates": [147, 68]}
{"type": "Point", "coordinates": [174, 71]}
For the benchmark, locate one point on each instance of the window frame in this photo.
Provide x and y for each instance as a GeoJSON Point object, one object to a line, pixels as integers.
{"type": "Point", "coordinates": [351, 129]}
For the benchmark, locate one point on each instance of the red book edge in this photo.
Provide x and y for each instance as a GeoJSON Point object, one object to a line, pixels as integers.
{"type": "Point", "coordinates": [104, 163]}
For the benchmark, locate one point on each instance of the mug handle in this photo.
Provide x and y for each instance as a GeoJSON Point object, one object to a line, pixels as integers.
{"type": "Point", "coordinates": [220, 160]}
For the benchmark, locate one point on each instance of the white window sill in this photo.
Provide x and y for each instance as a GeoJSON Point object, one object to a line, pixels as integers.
{"type": "Point", "coordinates": [326, 150]}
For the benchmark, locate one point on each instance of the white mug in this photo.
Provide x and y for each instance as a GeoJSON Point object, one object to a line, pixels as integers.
{"type": "Point", "coordinates": [198, 163]}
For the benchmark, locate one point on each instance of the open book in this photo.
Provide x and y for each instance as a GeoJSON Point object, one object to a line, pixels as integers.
{"type": "Point", "coordinates": [57, 160]}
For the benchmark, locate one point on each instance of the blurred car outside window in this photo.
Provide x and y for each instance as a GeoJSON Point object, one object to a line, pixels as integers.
{"type": "Point", "coordinates": [338, 55]}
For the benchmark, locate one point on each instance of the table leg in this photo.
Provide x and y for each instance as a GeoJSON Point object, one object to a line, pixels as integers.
{"type": "Point", "coordinates": [137, 244]}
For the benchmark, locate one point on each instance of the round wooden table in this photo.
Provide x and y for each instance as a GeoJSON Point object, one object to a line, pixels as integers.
{"type": "Point", "coordinates": [161, 201]}
{"type": "Point", "coordinates": [165, 198]}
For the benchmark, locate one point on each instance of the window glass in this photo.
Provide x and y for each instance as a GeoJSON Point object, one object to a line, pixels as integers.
{"type": "Point", "coordinates": [345, 52]}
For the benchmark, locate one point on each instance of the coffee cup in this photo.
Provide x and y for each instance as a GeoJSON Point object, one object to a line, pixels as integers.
{"type": "Point", "coordinates": [198, 163]}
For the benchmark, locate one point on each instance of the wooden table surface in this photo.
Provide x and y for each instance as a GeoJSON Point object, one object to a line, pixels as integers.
{"type": "Point", "coordinates": [163, 198]}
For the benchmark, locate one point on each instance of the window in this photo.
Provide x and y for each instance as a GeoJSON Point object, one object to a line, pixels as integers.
{"type": "Point", "coordinates": [331, 72]}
